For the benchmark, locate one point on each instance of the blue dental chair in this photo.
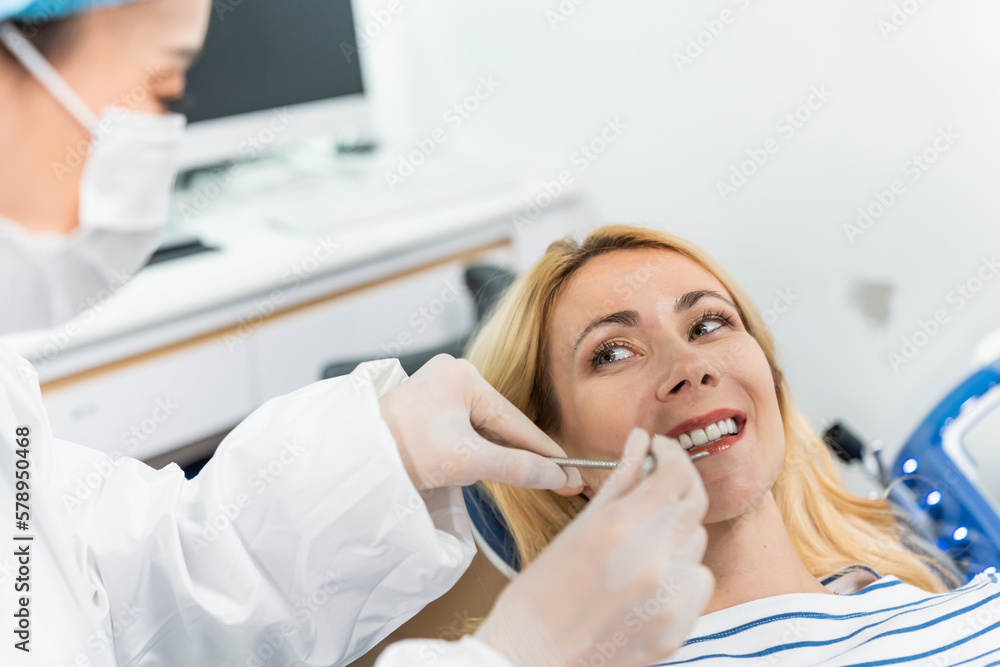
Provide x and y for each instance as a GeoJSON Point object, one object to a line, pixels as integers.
{"type": "Point", "coordinates": [936, 482]}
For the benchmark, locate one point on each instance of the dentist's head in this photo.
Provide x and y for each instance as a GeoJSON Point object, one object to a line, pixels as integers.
{"type": "Point", "coordinates": [89, 146]}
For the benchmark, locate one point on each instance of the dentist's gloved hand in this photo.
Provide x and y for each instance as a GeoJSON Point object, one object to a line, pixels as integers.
{"type": "Point", "coordinates": [447, 420]}
{"type": "Point", "coordinates": [624, 581]}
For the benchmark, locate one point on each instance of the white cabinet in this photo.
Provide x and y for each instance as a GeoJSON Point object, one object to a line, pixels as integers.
{"type": "Point", "coordinates": [418, 311]}
{"type": "Point", "coordinates": [156, 404]}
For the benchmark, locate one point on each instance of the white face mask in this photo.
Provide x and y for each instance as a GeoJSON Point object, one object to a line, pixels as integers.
{"type": "Point", "coordinates": [125, 189]}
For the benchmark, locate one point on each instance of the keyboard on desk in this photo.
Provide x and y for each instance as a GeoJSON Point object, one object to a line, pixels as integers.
{"type": "Point", "coordinates": [372, 200]}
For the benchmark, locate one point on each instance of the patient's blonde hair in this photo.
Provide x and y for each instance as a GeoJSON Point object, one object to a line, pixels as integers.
{"type": "Point", "coordinates": [830, 527]}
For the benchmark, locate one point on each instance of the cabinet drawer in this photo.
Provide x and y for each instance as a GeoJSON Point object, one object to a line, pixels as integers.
{"type": "Point", "coordinates": [156, 404]}
{"type": "Point", "coordinates": [405, 315]}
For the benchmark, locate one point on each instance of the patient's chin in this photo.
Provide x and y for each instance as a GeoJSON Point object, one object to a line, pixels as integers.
{"type": "Point", "coordinates": [733, 508]}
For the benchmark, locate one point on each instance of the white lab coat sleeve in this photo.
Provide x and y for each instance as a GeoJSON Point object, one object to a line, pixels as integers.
{"type": "Point", "coordinates": [423, 653]}
{"type": "Point", "coordinates": [303, 539]}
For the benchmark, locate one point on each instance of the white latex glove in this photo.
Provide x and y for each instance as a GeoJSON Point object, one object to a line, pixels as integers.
{"type": "Point", "coordinates": [624, 581]}
{"type": "Point", "coordinates": [446, 420]}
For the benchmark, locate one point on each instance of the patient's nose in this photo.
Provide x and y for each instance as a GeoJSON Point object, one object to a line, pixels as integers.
{"type": "Point", "coordinates": [690, 372]}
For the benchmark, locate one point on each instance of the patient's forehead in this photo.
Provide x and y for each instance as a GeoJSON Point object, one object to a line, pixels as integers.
{"type": "Point", "coordinates": [646, 280]}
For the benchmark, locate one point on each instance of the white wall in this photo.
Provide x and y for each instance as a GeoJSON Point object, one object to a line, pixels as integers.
{"type": "Point", "coordinates": [890, 94]}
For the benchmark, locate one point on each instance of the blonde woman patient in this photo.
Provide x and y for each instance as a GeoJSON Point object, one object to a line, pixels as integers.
{"type": "Point", "coordinates": [638, 328]}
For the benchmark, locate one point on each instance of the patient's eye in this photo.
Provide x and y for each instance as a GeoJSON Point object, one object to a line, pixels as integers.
{"type": "Point", "coordinates": [709, 322]}
{"type": "Point", "coordinates": [611, 351]}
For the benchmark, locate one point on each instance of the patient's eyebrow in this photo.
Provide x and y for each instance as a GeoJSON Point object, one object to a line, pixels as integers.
{"type": "Point", "coordinates": [630, 318]}
{"type": "Point", "coordinates": [688, 301]}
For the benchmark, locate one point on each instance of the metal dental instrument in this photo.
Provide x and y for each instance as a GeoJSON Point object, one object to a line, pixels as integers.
{"type": "Point", "coordinates": [647, 466]}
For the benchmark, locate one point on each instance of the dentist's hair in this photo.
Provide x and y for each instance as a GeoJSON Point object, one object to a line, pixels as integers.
{"type": "Point", "coordinates": [829, 526]}
{"type": "Point", "coordinates": [53, 38]}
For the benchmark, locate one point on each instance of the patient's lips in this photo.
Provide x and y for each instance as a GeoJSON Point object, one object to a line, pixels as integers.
{"type": "Point", "coordinates": [712, 432]}
{"type": "Point", "coordinates": [701, 436]}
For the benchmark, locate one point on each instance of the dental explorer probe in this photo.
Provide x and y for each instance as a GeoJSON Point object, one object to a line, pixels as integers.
{"type": "Point", "coordinates": [648, 465]}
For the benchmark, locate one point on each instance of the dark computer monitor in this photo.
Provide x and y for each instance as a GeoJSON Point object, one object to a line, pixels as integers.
{"type": "Point", "coordinates": [263, 55]}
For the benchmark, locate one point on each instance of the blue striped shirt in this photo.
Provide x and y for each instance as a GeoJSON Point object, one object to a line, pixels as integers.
{"type": "Point", "coordinates": [887, 622]}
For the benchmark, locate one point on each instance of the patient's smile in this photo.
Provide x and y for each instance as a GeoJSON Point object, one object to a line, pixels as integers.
{"type": "Point", "coordinates": [712, 433]}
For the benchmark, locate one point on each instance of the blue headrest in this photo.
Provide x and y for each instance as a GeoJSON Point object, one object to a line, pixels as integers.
{"type": "Point", "coordinates": [490, 525]}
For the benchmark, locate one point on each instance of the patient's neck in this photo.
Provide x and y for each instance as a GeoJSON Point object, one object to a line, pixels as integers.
{"type": "Point", "coordinates": [752, 557]}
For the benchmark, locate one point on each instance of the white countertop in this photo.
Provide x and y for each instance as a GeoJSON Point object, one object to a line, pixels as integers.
{"type": "Point", "coordinates": [260, 254]}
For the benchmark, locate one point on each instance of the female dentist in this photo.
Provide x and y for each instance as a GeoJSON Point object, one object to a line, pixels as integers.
{"type": "Point", "coordinates": [363, 525]}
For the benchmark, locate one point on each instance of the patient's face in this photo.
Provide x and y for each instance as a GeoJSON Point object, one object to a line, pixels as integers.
{"type": "Point", "coordinates": [662, 359]}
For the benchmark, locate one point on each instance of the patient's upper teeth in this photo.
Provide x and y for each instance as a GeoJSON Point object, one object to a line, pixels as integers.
{"type": "Point", "coordinates": [699, 436]}
{"type": "Point", "coordinates": [713, 432]}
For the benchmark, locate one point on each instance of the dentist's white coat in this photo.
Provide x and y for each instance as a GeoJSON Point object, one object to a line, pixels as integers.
{"type": "Point", "coordinates": [302, 540]}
